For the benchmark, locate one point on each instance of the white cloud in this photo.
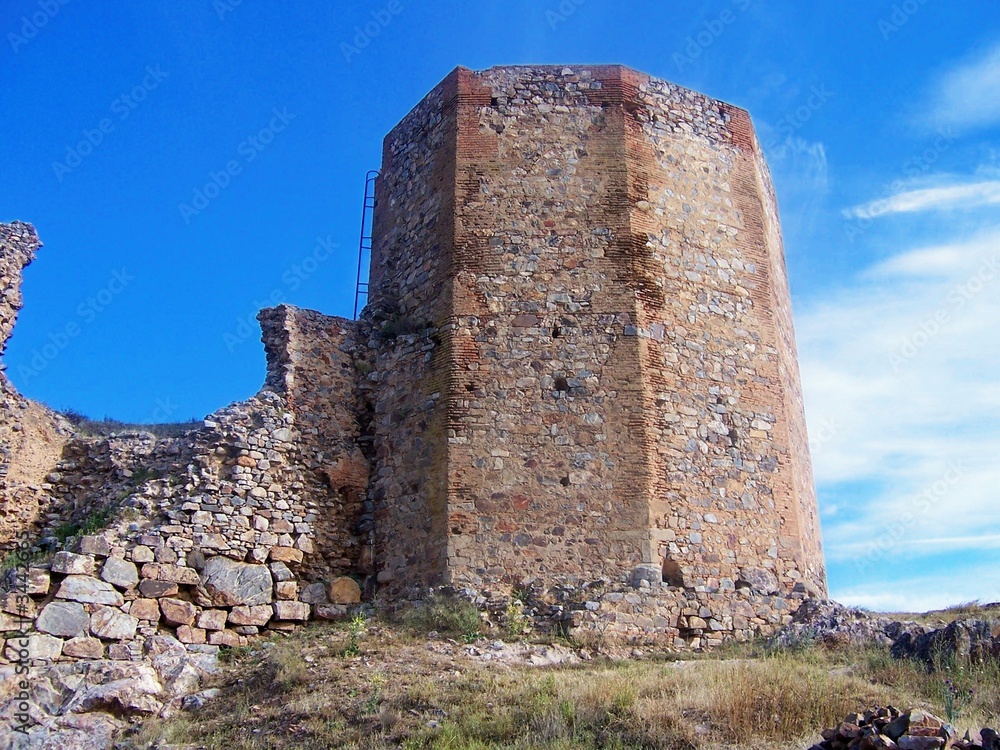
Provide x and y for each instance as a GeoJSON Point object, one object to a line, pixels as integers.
{"type": "Point", "coordinates": [942, 198]}
{"type": "Point", "coordinates": [925, 593]}
{"type": "Point", "coordinates": [800, 160]}
{"type": "Point", "coordinates": [905, 364]}
{"type": "Point", "coordinates": [968, 95]}
{"type": "Point", "coordinates": [932, 261]}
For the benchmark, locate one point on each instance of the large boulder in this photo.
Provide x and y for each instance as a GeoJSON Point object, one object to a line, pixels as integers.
{"type": "Point", "coordinates": [89, 591]}
{"type": "Point", "coordinates": [41, 647]}
{"type": "Point", "coordinates": [227, 583]}
{"type": "Point", "coordinates": [761, 580]}
{"type": "Point", "coordinates": [68, 563]}
{"type": "Point", "coordinates": [344, 590]}
{"type": "Point", "coordinates": [65, 619]}
{"type": "Point", "coordinates": [120, 573]}
{"type": "Point", "coordinates": [178, 611]}
{"type": "Point", "coordinates": [84, 647]}
{"type": "Point", "coordinates": [112, 624]}
{"type": "Point", "coordinates": [258, 615]}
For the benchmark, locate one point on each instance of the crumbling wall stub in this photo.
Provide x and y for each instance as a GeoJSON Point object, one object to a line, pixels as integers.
{"type": "Point", "coordinates": [316, 355]}
{"type": "Point", "coordinates": [31, 436]}
{"type": "Point", "coordinates": [208, 536]}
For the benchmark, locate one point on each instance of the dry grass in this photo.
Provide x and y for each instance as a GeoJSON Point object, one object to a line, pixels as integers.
{"type": "Point", "coordinates": [403, 691]}
{"type": "Point", "coordinates": [938, 618]}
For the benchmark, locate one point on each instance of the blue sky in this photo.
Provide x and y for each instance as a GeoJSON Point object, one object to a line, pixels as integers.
{"type": "Point", "coordinates": [187, 163]}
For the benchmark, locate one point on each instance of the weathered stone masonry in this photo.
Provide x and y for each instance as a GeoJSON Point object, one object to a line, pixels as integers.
{"type": "Point", "coordinates": [575, 377]}
{"type": "Point", "coordinates": [599, 255]}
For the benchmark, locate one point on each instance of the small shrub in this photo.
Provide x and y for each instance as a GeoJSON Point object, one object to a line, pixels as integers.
{"type": "Point", "coordinates": [792, 642]}
{"type": "Point", "coordinates": [515, 622]}
{"type": "Point", "coordinates": [956, 699]}
{"type": "Point", "coordinates": [522, 595]}
{"type": "Point", "coordinates": [355, 629]}
{"type": "Point", "coordinates": [64, 531]}
{"type": "Point", "coordinates": [445, 614]}
{"type": "Point", "coordinates": [141, 476]}
{"type": "Point", "coordinates": [403, 325]}
{"type": "Point", "coordinates": [97, 520]}
{"type": "Point", "coordinates": [378, 681]}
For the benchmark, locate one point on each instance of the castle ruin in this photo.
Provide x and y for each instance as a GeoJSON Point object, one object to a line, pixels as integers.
{"type": "Point", "coordinates": [575, 379]}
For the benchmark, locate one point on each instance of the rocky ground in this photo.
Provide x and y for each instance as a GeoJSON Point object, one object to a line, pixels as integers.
{"type": "Point", "coordinates": [374, 685]}
{"type": "Point", "coordinates": [85, 704]}
{"type": "Point", "coordinates": [914, 730]}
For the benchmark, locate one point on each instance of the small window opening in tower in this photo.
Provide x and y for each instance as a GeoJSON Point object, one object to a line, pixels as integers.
{"type": "Point", "coordinates": [672, 575]}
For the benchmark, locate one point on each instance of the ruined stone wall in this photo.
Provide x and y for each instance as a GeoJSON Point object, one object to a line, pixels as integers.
{"type": "Point", "coordinates": [31, 436]}
{"type": "Point", "coordinates": [251, 521]}
{"type": "Point", "coordinates": [311, 362]}
{"type": "Point", "coordinates": [575, 377]}
{"type": "Point", "coordinates": [621, 387]}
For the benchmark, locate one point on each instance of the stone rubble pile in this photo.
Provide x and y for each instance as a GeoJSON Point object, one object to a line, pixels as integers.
{"type": "Point", "coordinates": [972, 639]}
{"type": "Point", "coordinates": [633, 610]}
{"type": "Point", "coordinates": [915, 730]}
{"type": "Point", "coordinates": [835, 624]}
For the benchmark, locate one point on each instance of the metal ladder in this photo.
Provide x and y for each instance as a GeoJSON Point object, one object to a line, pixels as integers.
{"type": "Point", "coordinates": [365, 246]}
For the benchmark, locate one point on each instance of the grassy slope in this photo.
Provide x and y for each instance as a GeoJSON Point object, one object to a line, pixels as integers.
{"type": "Point", "coordinates": [392, 689]}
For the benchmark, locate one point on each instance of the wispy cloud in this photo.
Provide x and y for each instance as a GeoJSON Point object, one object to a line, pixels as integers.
{"type": "Point", "coordinates": [924, 593]}
{"type": "Point", "coordinates": [903, 359]}
{"type": "Point", "coordinates": [801, 160]}
{"type": "Point", "coordinates": [941, 198]}
{"type": "Point", "coordinates": [968, 95]}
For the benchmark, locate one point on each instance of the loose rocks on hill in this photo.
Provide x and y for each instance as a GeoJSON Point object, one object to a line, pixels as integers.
{"type": "Point", "coordinates": [915, 730]}
{"type": "Point", "coordinates": [831, 623]}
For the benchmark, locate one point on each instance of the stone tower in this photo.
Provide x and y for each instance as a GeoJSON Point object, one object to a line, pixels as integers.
{"type": "Point", "coordinates": [610, 388]}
